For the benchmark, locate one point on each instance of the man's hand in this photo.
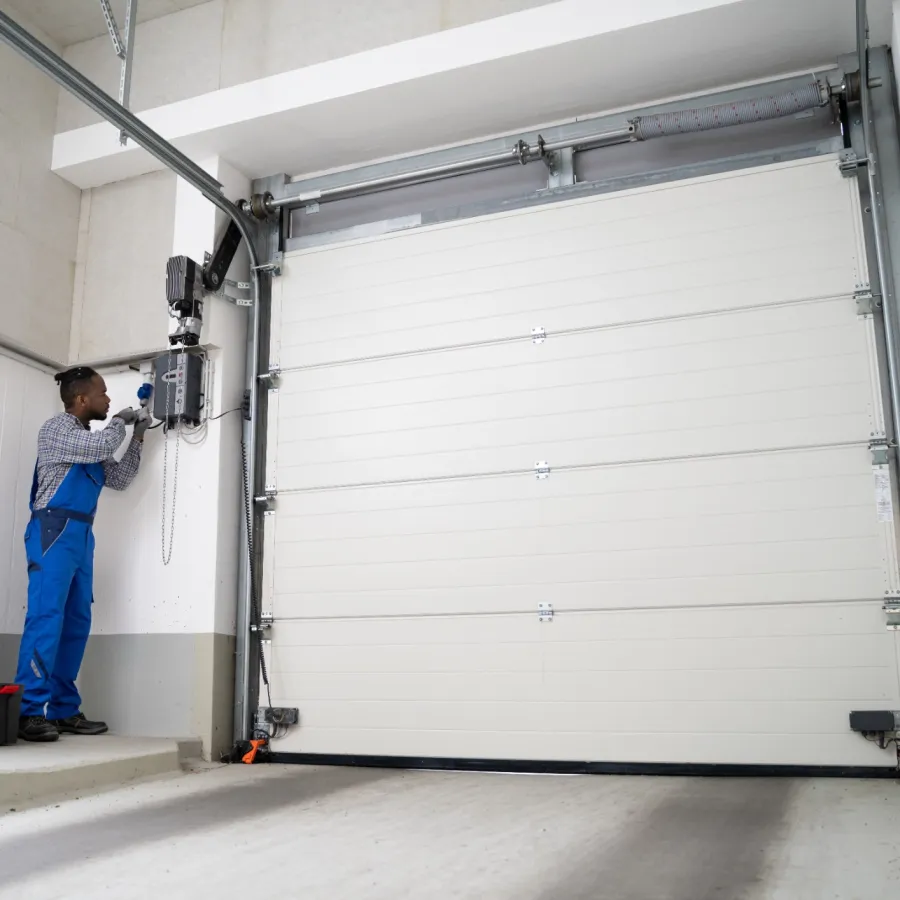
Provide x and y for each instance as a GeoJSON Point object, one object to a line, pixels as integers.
{"type": "Point", "coordinates": [142, 424]}
{"type": "Point", "coordinates": [127, 415]}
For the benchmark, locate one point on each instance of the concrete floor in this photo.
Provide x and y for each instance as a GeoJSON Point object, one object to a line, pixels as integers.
{"type": "Point", "coordinates": [361, 834]}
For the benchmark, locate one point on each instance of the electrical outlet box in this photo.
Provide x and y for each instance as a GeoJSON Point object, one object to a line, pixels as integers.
{"type": "Point", "coordinates": [874, 720]}
{"type": "Point", "coordinates": [281, 715]}
{"type": "Point", "coordinates": [178, 388]}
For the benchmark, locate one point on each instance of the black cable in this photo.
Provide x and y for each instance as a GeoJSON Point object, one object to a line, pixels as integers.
{"type": "Point", "coordinates": [221, 415]}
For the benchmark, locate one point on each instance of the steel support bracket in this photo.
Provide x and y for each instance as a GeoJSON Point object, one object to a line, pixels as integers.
{"type": "Point", "coordinates": [561, 165]}
{"type": "Point", "coordinates": [866, 301]}
{"type": "Point", "coordinates": [849, 163]}
{"type": "Point", "coordinates": [880, 448]}
{"type": "Point", "coordinates": [113, 29]}
{"type": "Point", "coordinates": [267, 501]}
{"type": "Point", "coordinates": [272, 268]}
{"type": "Point", "coordinates": [236, 292]}
{"type": "Point", "coordinates": [272, 378]}
{"type": "Point", "coordinates": [892, 611]}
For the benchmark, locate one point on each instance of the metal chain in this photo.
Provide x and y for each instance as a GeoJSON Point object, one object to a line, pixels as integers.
{"type": "Point", "coordinates": [167, 552]}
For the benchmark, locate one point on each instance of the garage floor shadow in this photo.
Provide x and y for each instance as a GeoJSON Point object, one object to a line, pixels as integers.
{"type": "Point", "coordinates": [330, 834]}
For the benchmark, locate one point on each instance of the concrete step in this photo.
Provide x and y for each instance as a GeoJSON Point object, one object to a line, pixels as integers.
{"type": "Point", "coordinates": [31, 774]}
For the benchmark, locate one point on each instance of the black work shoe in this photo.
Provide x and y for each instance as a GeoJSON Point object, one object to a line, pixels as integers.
{"type": "Point", "coordinates": [38, 729]}
{"type": "Point", "coordinates": [78, 724]}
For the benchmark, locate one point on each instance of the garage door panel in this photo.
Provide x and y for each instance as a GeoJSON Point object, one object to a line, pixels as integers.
{"type": "Point", "coordinates": [612, 395]}
{"type": "Point", "coordinates": [585, 415]}
{"type": "Point", "coordinates": [586, 303]}
{"type": "Point", "coordinates": [661, 564]}
{"type": "Point", "coordinates": [780, 191]}
{"type": "Point", "coordinates": [525, 650]}
{"type": "Point", "coordinates": [347, 536]}
{"type": "Point", "coordinates": [510, 239]}
{"type": "Point", "coordinates": [561, 716]}
{"type": "Point", "coordinates": [744, 622]}
{"type": "Point", "coordinates": [842, 472]}
{"type": "Point", "coordinates": [789, 335]}
{"type": "Point", "coordinates": [421, 681]}
{"type": "Point", "coordinates": [391, 459]}
{"type": "Point", "coordinates": [646, 686]}
{"type": "Point", "coordinates": [645, 535]}
{"type": "Point", "coordinates": [589, 254]}
{"type": "Point", "coordinates": [708, 535]}
{"type": "Point", "coordinates": [711, 591]}
{"type": "Point", "coordinates": [519, 391]}
{"type": "Point", "coordinates": [470, 507]}
{"type": "Point", "coordinates": [736, 749]}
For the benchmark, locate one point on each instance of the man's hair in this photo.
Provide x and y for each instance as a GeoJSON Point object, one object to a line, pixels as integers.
{"type": "Point", "coordinates": [73, 382]}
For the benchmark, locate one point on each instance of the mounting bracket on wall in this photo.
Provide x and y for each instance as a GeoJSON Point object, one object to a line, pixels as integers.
{"type": "Point", "coordinates": [123, 49]}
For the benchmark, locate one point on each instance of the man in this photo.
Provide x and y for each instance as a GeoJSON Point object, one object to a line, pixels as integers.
{"type": "Point", "coordinates": [73, 465]}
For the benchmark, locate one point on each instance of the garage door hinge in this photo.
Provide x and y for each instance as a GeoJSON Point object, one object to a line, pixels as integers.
{"type": "Point", "coordinates": [538, 335]}
{"type": "Point", "coordinates": [545, 612]}
{"type": "Point", "coordinates": [542, 470]}
{"type": "Point", "coordinates": [892, 611]}
{"type": "Point", "coordinates": [849, 163]}
{"type": "Point", "coordinates": [267, 501]}
{"type": "Point", "coordinates": [266, 621]}
{"type": "Point", "coordinates": [866, 301]}
{"type": "Point", "coordinates": [880, 448]}
{"type": "Point", "coordinates": [271, 378]}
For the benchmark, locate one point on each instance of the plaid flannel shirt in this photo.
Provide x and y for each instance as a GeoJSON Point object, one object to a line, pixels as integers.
{"type": "Point", "coordinates": [63, 442]}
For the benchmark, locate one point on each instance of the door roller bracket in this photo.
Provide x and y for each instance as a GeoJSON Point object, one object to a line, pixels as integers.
{"type": "Point", "coordinates": [271, 378]}
{"type": "Point", "coordinates": [880, 448]}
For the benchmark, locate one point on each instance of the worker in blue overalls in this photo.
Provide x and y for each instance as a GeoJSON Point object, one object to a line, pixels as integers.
{"type": "Point", "coordinates": [73, 465]}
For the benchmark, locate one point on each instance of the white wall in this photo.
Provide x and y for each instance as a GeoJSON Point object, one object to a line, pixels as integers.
{"type": "Point", "coordinates": [125, 236]}
{"type": "Point", "coordinates": [229, 42]}
{"type": "Point", "coordinates": [196, 593]}
{"type": "Point", "coordinates": [149, 618]}
{"type": "Point", "coordinates": [38, 214]}
{"type": "Point", "coordinates": [28, 396]}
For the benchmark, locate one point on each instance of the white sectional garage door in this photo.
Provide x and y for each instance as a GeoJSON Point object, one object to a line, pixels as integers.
{"type": "Point", "coordinates": [707, 534]}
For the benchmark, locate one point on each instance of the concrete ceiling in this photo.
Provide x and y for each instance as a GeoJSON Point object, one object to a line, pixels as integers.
{"type": "Point", "coordinates": [72, 21]}
{"type": "Point", "coordinates": [375, 104]}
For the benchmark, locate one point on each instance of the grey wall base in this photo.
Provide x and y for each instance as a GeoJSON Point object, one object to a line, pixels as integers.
{"type": "Point", "coordinates": [9, 654]}
{"type": "Point", "coordinates": [154, 685]}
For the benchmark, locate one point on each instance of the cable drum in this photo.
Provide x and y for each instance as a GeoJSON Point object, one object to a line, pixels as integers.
{"type": "Point", "coordinates": [724, 115]}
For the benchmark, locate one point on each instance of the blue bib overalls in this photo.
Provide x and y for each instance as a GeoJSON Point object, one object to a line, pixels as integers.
{"type": "Point", "coordinates": [59, 545]}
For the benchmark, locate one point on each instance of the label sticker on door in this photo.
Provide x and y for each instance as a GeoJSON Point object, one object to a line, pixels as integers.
{"type": "Point", "coordinates": [884, 504]}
